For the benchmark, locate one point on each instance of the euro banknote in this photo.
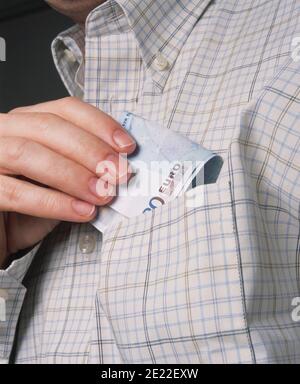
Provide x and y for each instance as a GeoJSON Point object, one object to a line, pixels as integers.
{"type": "Point", "coordinates": [165, 165]}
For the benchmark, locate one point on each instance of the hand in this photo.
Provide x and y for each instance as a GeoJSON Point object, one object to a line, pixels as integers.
{"type": "Point", "coordinates": [58, 161]}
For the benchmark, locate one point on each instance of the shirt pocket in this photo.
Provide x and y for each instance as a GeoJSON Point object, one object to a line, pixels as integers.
{"type": "Point", "coordinates": [170, 285]}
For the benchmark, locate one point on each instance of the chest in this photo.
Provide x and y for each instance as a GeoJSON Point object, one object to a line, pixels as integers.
{"type": "Point", "coordinates": [221, 68]}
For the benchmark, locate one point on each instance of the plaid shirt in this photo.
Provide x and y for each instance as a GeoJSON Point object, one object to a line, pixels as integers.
{"type": "Point", "coordinates": [213, 284]}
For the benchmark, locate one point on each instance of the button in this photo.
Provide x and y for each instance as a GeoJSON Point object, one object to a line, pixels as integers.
{"type": "Point", "coordinates": [70, 56]}
{"type": "Point", "coordinates": [87, 243]}
{"type": "Point", "coordinates": [160, 62]}
{"type": "Point", "coordinates": [3, 299]}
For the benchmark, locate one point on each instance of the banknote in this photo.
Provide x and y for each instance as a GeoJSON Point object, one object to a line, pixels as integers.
{"type": "Point", "coordinates": [165, 165]}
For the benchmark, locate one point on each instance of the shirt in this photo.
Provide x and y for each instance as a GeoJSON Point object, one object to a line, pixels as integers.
{"type": "Point", "coordinates": [216, 283]}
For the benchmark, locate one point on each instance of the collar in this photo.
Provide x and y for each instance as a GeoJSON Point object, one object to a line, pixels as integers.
{"type": "Point", "coordinates": [68, 55]}
{"type": "Point", "coordinates": [160, 28]}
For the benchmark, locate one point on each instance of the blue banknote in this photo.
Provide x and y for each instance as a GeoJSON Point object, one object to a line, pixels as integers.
{"type": "Point", "coordinates": [165, 164]}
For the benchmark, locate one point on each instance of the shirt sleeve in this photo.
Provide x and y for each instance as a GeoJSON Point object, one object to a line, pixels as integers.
{"type": "Point", "coordinates": [12, 293]}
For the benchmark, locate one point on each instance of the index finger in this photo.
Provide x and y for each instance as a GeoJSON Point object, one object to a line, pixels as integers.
{"type": "Point", "coordinates": [88, 118]}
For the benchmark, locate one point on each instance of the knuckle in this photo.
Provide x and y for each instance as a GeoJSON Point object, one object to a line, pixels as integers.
{"type": "Point", "coordinates": [10, 192]}
{"type": "Point", "coordinates": [51, 203]}
{"type": "Point", "coordinates": [14, 150]}
{"type": "Point", "coordinates": [45, 121]}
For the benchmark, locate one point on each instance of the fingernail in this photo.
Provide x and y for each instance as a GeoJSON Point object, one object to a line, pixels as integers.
{"type": "Point", "coordinates": [82, 208]}
{"type": "Point", "coordinates": [104, 189]}
{"type": "Point", "coordinates": [117, 167]}
{"type": "Point", "coordinates": [101, 188]}
{"type": "Point", "coordinates": [109, 166]}
{"type": "Point", "coordinates": [122, 139]}
{"type": "Point", "coordinates": [111, 179]}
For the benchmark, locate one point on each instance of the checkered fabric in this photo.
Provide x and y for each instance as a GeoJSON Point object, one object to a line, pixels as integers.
{"type": "Point", "coordinates": [209, 284]}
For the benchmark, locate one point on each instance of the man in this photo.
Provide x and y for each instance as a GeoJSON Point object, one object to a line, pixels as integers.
{"type": "Point", "coordinates": [212, 284]}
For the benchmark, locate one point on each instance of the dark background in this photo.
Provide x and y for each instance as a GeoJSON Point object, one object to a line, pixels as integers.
{"type": "Point", "coordinates": [29, 76]}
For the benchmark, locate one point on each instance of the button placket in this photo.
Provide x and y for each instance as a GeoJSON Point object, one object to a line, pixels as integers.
{"type": "Point", "coordinates": [160, 63]}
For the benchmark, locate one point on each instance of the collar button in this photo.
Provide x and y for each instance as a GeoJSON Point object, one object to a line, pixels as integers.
{"type": "Point", "coordinates": [160, 63]}
{"type": "Point", "coordinates": [70, 57]}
